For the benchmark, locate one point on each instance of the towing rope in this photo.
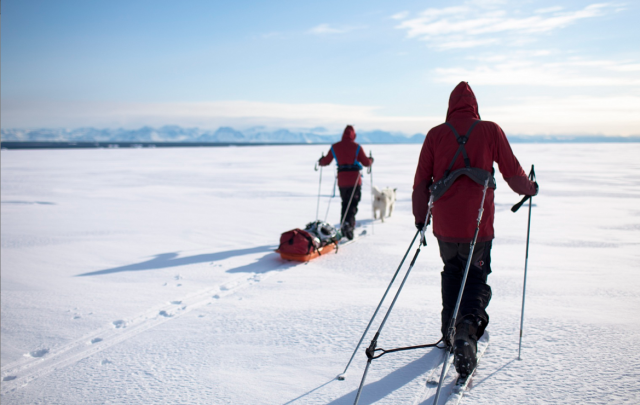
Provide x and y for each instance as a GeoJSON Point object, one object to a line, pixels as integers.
{"type": "Point", "coordinates": [372, 356]}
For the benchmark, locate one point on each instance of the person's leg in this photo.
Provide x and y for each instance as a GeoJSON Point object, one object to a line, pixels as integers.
{"type": "Point", "coordinates": [472, 317]}
{"type": "Point", "coordinates": [349, 209]}
{"type": "Point", "coordinates": [477, 292]}
{"type": "Point", "coordinates": [345, 193]}
{"type": "Point", "coordinates": [353, 209]}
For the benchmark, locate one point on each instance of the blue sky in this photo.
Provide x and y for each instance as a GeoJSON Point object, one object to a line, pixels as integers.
{"type": "Point", "coordinates": [537, 67]}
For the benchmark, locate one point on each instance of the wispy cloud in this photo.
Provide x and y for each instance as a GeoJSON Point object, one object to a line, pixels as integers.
{"type": "Point", "coordinates": [574, 115]}
{"type": "Point", "coordinates": [573, 72]}
{"type": "Point", "coordinates": [475, 23]}
{"type": "Point", "coordinates": [238, 114]}
{"type": "Point", "coordinates": [327, 29]}
{"type": "Point", "coordinates": [401, 15]}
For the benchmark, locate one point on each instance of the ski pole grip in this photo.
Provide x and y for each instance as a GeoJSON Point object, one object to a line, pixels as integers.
{"type": "Point", "coordinates": [518, 205]}
{"type": "Point", "coordinates": [532, 177]}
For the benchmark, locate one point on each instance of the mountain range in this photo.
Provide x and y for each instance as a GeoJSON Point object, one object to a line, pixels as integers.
{"type": "Point", "coordinates": [259, 135]}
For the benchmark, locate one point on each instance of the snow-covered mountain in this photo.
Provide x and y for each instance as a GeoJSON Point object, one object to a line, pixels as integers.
{"type": "Point", "coordinates": [180, 134]}
{"type": "Point", "coordinates": [172, 133]}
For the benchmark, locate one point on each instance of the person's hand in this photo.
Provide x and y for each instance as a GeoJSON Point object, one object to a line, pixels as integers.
{"type": "Point", "coordinates": [535, 183]}
{"type": "Point", "coordinates": [420, 226]}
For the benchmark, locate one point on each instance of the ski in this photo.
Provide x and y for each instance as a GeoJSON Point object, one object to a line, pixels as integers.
{"type": "Point", "coordinates": [431, 381]}
{"type": "Point", "coordinates": [462, 384]}
{"type": "Point", "coordinates": [345, 241]}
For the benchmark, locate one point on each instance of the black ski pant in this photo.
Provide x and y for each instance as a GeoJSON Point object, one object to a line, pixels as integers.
{"type": "Point", "coordinates": [350, 209]}
{"type": "Point", "coordinates": [477, 293]}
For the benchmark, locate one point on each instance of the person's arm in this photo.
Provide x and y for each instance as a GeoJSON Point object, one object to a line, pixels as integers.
{"type": "Point", "coordinates": [510, 168]}
{"type": "Point", "coordinates": [324, 161]}
{"type": "Point", "coordinates": [362, 158]}
{"type": "Point", "coordinates": [423, 179]}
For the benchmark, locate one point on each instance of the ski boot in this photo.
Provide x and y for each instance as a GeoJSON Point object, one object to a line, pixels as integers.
{"type": "Point", "coordinates": [465, 346]}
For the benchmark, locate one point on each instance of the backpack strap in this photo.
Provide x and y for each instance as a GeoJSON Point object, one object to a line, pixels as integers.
{"type": "Point", "coordinates": [333, 152]}
{"type": "Point", "coordinates": [461, 142]}
{"type": "Point", "coordinates": [355, 167]}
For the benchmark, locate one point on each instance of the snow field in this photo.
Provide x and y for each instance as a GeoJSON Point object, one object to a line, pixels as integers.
{"type": "Point", "coordinates": [148, 276]}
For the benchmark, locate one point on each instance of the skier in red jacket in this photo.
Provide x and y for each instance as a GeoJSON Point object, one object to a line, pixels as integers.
{"type": "Point", "coordinates": [455, 212]}
{"type": "Point", "coordinates": [349, 158]}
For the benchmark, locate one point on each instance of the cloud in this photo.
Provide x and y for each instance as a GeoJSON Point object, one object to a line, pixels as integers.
{"type": "Point", "coordinates": [576, 72]}
{"type": "Point", "coordinates": [208, 115]}
{"type": "Point", "coordinates": [580, 114]}
{"type": "Point", "coordinates": [400, 16]}
{"type": "Point", "coordinates": [574, 115]}
{"type": "Point", "coordinates": [482, 23]}
{"type": "Point", "coordinates": [325, 29]}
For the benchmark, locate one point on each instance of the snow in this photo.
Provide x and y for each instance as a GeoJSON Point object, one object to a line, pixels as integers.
{"type": "Point", "coordinates": [148, 276]}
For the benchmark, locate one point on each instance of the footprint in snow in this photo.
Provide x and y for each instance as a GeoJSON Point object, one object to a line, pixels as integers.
{"type": "Point", "coordinates": [179, 285]}
{"type": "Point", "coordinates": [96, 340]}
{"type": "Point", "coordinates": [176, 302]}
{"type": "Point", "coordinates": [38, 353]}
{"type": "Point", "coordinates": [216, 297]}
{"type": "Point", "coordinates": [77, 317]}
{"type": "Point", "coordinates": [165, 314]}
{"type": "Point", "coordinates": [9, 378]}
{"type": "Point", "coordinates": [105, 361]}
{"type": "Point", "coordinates": [119, 324]}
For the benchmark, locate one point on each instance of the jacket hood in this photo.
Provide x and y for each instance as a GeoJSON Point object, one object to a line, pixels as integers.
{"type": "Point", "coordinates": [463, 102]}
{"type": "Point", "coordinates": [349, 134]}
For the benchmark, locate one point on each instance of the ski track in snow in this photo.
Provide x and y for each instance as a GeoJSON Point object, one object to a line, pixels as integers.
{"type": "Point", "coordinates": [41, 362]}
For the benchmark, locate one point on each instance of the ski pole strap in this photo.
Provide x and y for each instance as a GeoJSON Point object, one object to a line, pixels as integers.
{"type": "Point", "coordinates": [532, 177]}
{"type": "Point", "coordinates": [373, 356]}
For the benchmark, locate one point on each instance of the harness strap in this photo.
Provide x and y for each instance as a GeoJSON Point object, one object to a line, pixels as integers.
{"type": "Point", "coordinates": [476, 174]}
{"type": "Point", "coordinates": [355, 167]}
{"type": "Point", "coordinates": [461, 142]}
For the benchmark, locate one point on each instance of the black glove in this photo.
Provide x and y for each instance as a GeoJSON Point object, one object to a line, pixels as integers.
{"type": "Point", "coordinates": [537, 188]}
{"type": "Point", "coordinates": [420, 226]}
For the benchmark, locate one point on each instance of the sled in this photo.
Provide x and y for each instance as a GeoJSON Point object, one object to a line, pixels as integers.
{"type": "Point", "coordinates": [309, 256]}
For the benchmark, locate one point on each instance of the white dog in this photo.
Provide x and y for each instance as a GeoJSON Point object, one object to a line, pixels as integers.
{"type": "Point", "coordinates": [383, 202]}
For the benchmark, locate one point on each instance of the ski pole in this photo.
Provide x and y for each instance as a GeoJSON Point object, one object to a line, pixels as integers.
{"type": "Point", "coordinates": [452, 323]}
{"type": "Point", "coordinates": [370, 352]}
{"type": "Point", "coordinates": [335, 181]}
{"type": "Point", "coordinates": [344, 373]}
{"type": "Point", "coordinates": [532, 177]}
{"type": "Point", "coordinates": [319, 188]}
{"type": "Point", "coordinates": [373, 211]}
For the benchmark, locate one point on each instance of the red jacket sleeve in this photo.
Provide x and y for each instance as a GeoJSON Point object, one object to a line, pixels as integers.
{"type": "Point", "coordinates": [362, 158]}
{"type": "Point", "coordinates": [325, 161]}
{"type": "Point", "coordinates": [423, 179]}
{"type": "Point", "coordinates": [510, 167]}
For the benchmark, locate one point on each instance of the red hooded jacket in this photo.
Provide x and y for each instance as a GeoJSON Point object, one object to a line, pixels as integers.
{"type": "Point", "coordinates": [346, 153]}
{"type": "Point", "coordinates": [455, 214]}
